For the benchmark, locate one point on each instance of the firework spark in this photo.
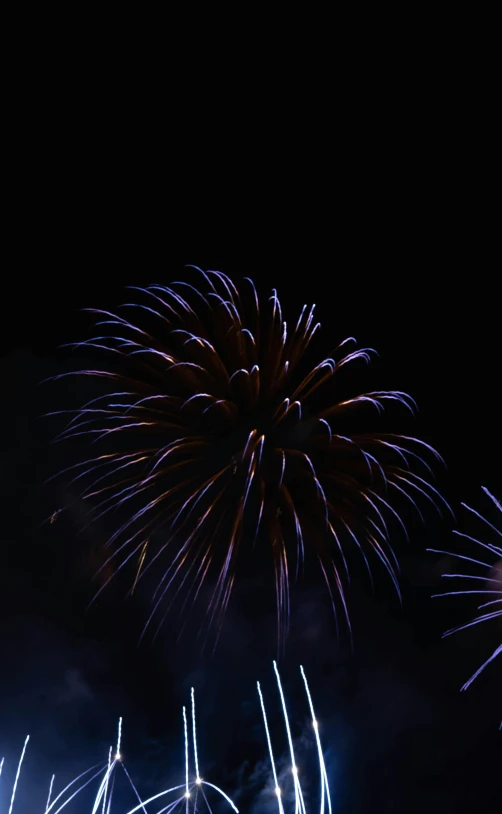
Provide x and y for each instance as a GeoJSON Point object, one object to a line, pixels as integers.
{"type": "Point", "coordinates": [215, 429]}
{"type": "Point", "coordinates": [187, 793]}
{"type": "Point", "coordinates": [484, 577]}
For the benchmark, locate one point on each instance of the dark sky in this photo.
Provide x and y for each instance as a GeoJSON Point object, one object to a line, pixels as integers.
{"type": "Point", "coordinates": [398, 734]}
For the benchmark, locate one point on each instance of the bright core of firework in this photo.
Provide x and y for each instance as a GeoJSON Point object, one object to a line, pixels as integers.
{"type": "Point", "coordinates": [219, 428]}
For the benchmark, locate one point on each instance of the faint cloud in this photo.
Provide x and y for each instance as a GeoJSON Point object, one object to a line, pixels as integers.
{"type": "Point", "coordinates": [74, 689]}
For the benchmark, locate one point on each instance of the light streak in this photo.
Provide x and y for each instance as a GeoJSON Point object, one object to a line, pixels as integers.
{"type": "Point", "coordinates": [299, 802]}
{"type": "Point", "coordinates": [118, 756]}
{"type": "Point", "coordinates": [295, 772]}
{"type": "Point", "coordinates": [17, 774]}
{"type": "Point", "coordinates": [187, 793]}
{"type": "Point", "coordinates": [190, 789]}
{"type": "Point", "coordinates": [197, 774]}
{"type": "Point", "coordinates": [107, 777]}
{"type": "Point", "coordinates": [270, 750]}
{"type": "Point", "coordinates": [50, 793]}
{"type": "Point", "coordinates": [140, 565]}
{"type": "Point", "coordinates": [324, 779]}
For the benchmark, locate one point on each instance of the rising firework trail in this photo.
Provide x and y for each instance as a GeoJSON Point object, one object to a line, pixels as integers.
{"type": "Point", "coordinates": [107, 778]}
{"type": "Point", "coordinates": [186, 794]}
{"type": "Point", "coordinates": [270, 751]}
{"type": "Point", "coordinates": [17, 775]}
{"type": "Point", "coordinates": [300, 807]}
{"type": "Point", "coordinates": [216, 425]}
{"type": "Point", "coordinates": [324, 776]}
{"type": "Point", "coordinates": [194, 731]}
{"type": "Point", "coordinates": [299, 802]}
{"type": "Point", "coordinates": [50, 792]}
{"type": "Point", "coordinates": [484, 577]}
{"type": "Point", "coordinates": [118, 756]}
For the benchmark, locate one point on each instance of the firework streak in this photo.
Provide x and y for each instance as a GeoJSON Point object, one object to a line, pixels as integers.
{"type": "Point", "coordinates": [194, 793]}
{"type": "Point", "coordinates": [216, 430]}
{"type": "Point", "coordinates": [483, 580]}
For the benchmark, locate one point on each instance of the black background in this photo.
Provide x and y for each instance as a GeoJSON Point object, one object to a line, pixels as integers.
{"type": "Point", "coordinates": [392, 233]}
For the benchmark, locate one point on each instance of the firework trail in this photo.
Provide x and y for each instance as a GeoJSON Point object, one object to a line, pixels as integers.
{"type": "Point", "coordinates": [270, 750]}
{"type": "Point", "coordinates": [196, 757]}
{"type": "Point", "coordinates": [484, 577]}
{"type": "Point", "coordinates": [50, 792]}
{"type": "Point", "coordinates": [187, 793]}
{"type": "Point", "coordinates": [324, 777]}
{"type": "Point", "coordinates": [107, 775]}
{"type": "Point", "coordinates": [119, 740]}
{"type": "Point", "coordinates": [107, 778]}
{"type": "Point", "coordinates": [213, 429]}
{"type": "Point", "coordinates": [300, 807]}
{"type": "Point", "coordinates": [299, 802]}
{"type": "Point", "coordinates": [17, 774]}
{"type": "Point", "coordinates": [183, 794]}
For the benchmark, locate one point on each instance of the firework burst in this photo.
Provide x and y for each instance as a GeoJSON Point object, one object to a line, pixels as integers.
{"type": "Point", "coordinates": [483, 578]}
{"type": "Point", "coordinates": [215, 433]}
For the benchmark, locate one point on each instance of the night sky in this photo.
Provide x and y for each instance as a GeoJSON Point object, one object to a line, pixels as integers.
{"type": "Point", "coordinates": [398, 734]}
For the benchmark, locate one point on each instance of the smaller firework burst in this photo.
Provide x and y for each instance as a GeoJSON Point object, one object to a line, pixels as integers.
{"type": "Point", "coordinates": [481, 576]}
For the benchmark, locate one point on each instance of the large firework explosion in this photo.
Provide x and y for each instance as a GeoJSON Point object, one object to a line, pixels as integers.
{"type": "Point", "coordinates": [194, 793]}
{"type": "Point", "coordinates": [483, 578]}
{"type": "Point", "coordinates": [216, 432]}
